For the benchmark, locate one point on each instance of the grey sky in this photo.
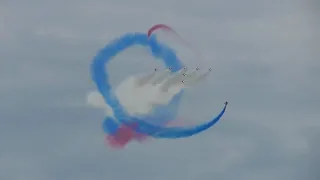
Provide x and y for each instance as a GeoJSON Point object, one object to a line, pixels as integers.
{"type": "Point", "coordinates": [265, 56]}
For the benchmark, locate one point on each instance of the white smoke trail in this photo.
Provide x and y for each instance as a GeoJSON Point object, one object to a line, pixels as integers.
{"type": "Point", "coordinates": [139, 94]}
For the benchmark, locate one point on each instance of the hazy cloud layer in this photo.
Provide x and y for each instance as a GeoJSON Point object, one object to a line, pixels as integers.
{"type": "Point", "coordinates": [266, 64]}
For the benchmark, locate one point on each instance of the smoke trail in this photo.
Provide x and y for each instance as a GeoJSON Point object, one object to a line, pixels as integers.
{"type": "Point", "coordinates": [159, 51]}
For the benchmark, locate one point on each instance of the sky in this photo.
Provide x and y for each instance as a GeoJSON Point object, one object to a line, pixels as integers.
{"type": "Point", "coordinates": [265, 62]}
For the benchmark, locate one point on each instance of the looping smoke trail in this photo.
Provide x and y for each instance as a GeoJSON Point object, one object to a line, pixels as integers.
{"type": "Point", "coordinates": [159, 51]}
{"type": "Point", "coordinates": [167, 28]}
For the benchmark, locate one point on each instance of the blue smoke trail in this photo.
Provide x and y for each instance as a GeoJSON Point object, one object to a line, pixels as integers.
{"type": "Point", "coordinates": [159, 51]}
